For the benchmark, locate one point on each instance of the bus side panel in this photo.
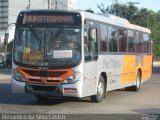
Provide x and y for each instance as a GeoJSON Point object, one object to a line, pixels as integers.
{"type": "Point", "coordinates": [112, 66]}
{"type": "Point", "coordinates": [147, 67]}
{"type": "Point", "coordinates": [130, 68]}
{"type": "Point", "coordinates": [90, 77]}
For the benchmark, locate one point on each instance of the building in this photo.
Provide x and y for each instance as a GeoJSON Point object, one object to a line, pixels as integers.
{"type": "Point", "coordinates": [3, 18]}
{"type": "Point", "coordinates": [3, 14]}
{"type": "Point", "coordinates": [15, 6]}
{"type": "Point", "coordinates": [63, 4]}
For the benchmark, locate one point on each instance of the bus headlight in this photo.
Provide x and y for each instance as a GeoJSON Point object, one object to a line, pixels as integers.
{"type": "Point", "coordinates": [17, 76]}
{"type": "Point", "coordinates": [73, 78]}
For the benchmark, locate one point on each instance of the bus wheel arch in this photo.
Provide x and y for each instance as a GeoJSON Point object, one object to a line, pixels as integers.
{"type": "Point", "coordinates": [101, 89]}
{"type": "Point", "coordinates": [140, 71]}
{"type": "Point", "coordinates": [104, 75]}
{"type": "Point", "coordinates": [136, 87]}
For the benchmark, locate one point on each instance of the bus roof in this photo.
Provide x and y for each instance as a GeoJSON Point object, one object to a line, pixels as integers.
{"type": "Point", "coordinates": [104, 18]}
{"type": "Point", "coordinates": [114, 20]}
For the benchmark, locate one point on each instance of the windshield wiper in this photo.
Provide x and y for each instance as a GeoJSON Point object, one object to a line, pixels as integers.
{"type": "Point", "coordinates": [58, 32]}
{"type": "Point", "coordinates": [35, 34]}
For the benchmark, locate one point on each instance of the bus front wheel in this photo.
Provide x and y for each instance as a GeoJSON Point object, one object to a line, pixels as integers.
{"type": "Point", "coordinates": [100, 91]}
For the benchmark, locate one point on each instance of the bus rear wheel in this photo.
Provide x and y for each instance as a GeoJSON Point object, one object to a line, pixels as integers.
{"type": "Point", "coordinates": [100, 91]}
{"type": "Point", "coordinates": [138, 84]}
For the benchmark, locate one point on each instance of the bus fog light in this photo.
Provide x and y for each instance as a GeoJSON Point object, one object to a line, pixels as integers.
{"type": "Point", "coordinates": [17, 76]}
{"type": "Point", "coordinates": [73, 78]}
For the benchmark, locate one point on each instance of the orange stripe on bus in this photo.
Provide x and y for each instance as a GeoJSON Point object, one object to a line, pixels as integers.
{"type": "Point", "coordinates": [54, 76]}
{"type": "Point", "coordinates": [130, 69]}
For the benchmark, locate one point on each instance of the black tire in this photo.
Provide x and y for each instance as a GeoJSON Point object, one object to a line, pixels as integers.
{"type": "Point", "coordinates": [138, 84]}
{"type": "Point", "coordinates": [100, 91]}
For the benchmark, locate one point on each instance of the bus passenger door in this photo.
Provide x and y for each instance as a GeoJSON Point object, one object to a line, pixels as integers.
{"type": "Point", "coordinates": [90, 61]}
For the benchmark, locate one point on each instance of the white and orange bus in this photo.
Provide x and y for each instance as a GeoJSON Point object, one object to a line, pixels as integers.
{"type": "Point", "coordinates": [78, 54]}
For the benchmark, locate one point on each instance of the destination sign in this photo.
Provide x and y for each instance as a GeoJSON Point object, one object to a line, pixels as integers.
{"type": "Point", "coordinates": [47, 19]}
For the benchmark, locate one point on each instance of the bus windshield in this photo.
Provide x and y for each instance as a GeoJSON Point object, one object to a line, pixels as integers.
{"type": "Point", "coordinates": [47, 47]}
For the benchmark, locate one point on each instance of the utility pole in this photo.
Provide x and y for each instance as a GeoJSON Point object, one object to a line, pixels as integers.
{"type": "Point", "coordinates": [29, 4]}
{"type": "Point", "coordinates": [131, 5]}
{"type": "Point", "coordinates": [49, 4]}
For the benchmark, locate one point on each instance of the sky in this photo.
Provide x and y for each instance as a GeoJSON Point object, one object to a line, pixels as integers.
{"type": "Point", "coordinates": [17, 5]}
{"type": "Point", "coordinates": [150, 4]}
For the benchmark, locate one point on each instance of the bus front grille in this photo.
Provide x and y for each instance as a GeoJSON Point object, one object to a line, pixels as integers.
{"type": "Point", "coordinates": [48, 73]}
{"type": "Point", "coordinates": [43, 81]}
{"type": "Point", "coordinates": [44, 88]}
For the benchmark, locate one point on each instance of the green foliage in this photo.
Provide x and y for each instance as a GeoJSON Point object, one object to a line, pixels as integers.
{"type": "Point", "coordinates": [143, 17]}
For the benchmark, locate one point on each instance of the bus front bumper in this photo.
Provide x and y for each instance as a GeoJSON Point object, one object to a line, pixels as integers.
{"type": "Point", "coordinates": [17, 87]}
{"type": "Point", "coordinates": [63, 90]}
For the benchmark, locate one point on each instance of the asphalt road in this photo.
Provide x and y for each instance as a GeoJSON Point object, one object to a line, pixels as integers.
{"type": "Point", "coordinates": [146, 101]}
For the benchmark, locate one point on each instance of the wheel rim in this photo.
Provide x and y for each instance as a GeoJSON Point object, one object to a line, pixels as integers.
{"type": "Point", "coordinates": [100, 89]}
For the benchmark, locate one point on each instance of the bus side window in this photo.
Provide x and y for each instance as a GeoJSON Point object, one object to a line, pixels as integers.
{"type": "Point", "coordinates": [122, 39]}
{"type": "Point", "coordinates": [131, 41]}
{"type": "Point", "coordinates": [86, 46]}
{"type": "Point", "coordinates": [146, 45]}
{"type": "Point", "coordinates": [112, 35]}
{"type": "Point", "coordinates": [139, 42]}
{"type": "Point", "coordinates": [103, 38]}
{"type": "Point", "coordinates": [90, 43]}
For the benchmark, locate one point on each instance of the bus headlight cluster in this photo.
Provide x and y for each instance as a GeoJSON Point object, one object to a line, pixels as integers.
{"type": "Point", "coordinates": [17, 76]}
{"type": "Point", "coordinates": [73, 78]}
